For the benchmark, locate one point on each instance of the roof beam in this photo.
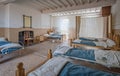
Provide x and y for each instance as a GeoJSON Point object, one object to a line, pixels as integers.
{"type": "Point", "coordinates": [66, 3]}
{"type": "Point", "coordinates": [56, 3]}
{"type": "Point", "coordinates": [97, 0]}
{"type": "Point", "coordinates": [41, 5]}
{"type": "Point", "coordinates": [81, 2]}
{"type": "Point", "coordinates": [93, 4]}
{"type": "Point", "coordinates": [46, 4]}
{"type": "Point", "coordinates": [69, 2]}
{"type": "Point", "coordinates": [73, 2]}
{"type": "Point", "coordinates": [76, 3]}
{"type": "Point", "coordinates": [35, 5]}
{"type": "Point", "coordinates": [62, 3]}
{"type": "Point", "coordinates": [89, 1]}
{"type": "Point", "coordinates": [50, 3]}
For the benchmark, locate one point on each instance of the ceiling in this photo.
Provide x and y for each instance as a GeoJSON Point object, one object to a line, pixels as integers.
{"type": "Point", "coordinates": [49, 6]}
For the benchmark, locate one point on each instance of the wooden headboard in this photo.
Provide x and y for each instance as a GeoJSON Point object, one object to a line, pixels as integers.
{"type": "Point", "coordinates": [116, 38]}
{"type": "Point", "coordinates": [50, 31]}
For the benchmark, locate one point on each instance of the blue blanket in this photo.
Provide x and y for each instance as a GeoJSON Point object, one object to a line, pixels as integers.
{"type": "Point", "coordinates": [9, 50]}
{"type": "Point", "coordinates": [4, 42]}
{"type": "Point", "coordinates": [55, 36]}
{"type": "Point", "coordinates": [90, 43]}
{"type": "Point", "coordinates": [78, 70]}
{"type": "Point", "coordinates": [81, 53]}
{"type": "Point", "coordinates": [87, 39]}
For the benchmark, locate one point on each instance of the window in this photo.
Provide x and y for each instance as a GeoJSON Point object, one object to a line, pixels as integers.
{"type": "Point", "coordinates": [92, 27]}
{"type": "Point", "coordinates": [27, 21]}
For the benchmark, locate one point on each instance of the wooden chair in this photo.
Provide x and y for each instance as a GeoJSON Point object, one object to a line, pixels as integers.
{"type": "Point", "coordinates": [42, 38]}
{"type": "Point", "coordinates": [37, 39]}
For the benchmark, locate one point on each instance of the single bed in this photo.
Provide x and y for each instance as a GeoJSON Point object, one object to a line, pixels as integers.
{"type": "Point", "coordinates": [104, 57]}
{"type": "Point", "coordinates": [9, 49]}
{"type": "Point", "coordinates": [54, 36]}
{"type": "Point", "coordinates": [61, 66]}
{"type": "Point", "coordinates": [111, 42]}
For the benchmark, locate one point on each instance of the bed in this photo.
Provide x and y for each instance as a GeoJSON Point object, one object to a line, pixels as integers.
{"type": "Point", "coordinates": [54, 36]}
{"type": "Point", "coordinates": [61, 66]}
{"type": "Point", "coordinates": [104, 57]}
{"type": "Point", "coordinates": [105, 44]}
{"type": "Point", "coordinates": [111, 42]}
{"type": "Point", "coordinates": [9, 49]}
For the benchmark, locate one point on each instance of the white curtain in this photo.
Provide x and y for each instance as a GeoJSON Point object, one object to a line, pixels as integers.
{"type": "Point", "coordinates": [93, 27]}
{"type": "Point", "coordinates": [77, 26]}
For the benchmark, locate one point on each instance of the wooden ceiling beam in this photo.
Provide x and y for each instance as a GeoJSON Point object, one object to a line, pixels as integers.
{"type": "Point", "coordinates": [56, 3]}
{"type": "Point", "coordinates": [89, 1]}
{"type": "Point", "coordinates": [69, 2]}
{"type": "Point", "coordinates": [76, 3]}
{"type": "Point", "coordinates": [62, 3]}
{"type": "Point", "coordinates": [78, 7]}
{"type": "Point", "coordinates": [36, 5]}
{"type": "Point", "coordinates": [81, 2]}
{"type": "Point", "coordinates": [46, 4]}
{"type": "Point", "coordinates": [59, 3]}
{"type": "Point", "coordinates": [51, 4]}
{"type": "Point", "coordinates": [39, 4]}
{"type": "Point", "coordinates": [72, 2]}
{"type": "Point", "coordinates": [97, 0]}
{"type": "Point", "coordinates": [66, 3]}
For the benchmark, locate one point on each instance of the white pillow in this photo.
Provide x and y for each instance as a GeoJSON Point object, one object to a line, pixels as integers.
{"type": "Point", "coordinates": [51, 33]}
{"type": "Point", "coordinates": [110, 43]}
{"type": "Point", "coordinates": [102, 39]}
{"type": "Point", "coordinates": [2, 39]}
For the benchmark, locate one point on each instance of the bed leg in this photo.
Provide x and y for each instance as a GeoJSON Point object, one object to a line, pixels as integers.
{"type": "Point", "coordinates": [20, 70]}
{"type": "Point", "coordinates": [49, 54]}
{"type": "Point", "coordinates": [70, 42]}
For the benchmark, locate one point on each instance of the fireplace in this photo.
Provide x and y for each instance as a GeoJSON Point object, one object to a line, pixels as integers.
{"type": "Point", "coordinates": [26, 37]}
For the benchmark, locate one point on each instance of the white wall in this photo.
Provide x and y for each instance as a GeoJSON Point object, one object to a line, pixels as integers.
{"type": "Point", "coordinates": [11, 16]}
{"type": "Point", "coordinates": [45, 20]}
{"type": "Point", "coordinates": [2, 16]}
{"type": "Point", "coordinates": [16, 16]}
{"type": "Point", "coordinates": [116, 14]}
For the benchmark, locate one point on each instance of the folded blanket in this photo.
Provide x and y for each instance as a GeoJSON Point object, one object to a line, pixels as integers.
{"type": "Point", "coordinates": [10, 47]}
{"type": "Point", "coordinates": [2, 43]}
{"type": "Point", "coordinates": [91, 43]}
{"type": "Point", "coordinates": [60, 50]}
